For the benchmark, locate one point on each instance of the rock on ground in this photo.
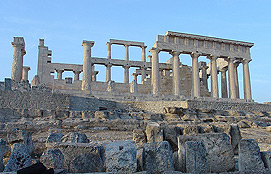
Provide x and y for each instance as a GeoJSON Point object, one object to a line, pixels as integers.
{"type": "Point", "coordinates": [21, 136]}
{"type": "Point", "coordinates": [120, 157]}
{"type": "Point", "coordinates": [52, 158]}
{"type": "Point", "coordinates": [75, 137]}
{"type": "Point", "coordinates": [3, 149]}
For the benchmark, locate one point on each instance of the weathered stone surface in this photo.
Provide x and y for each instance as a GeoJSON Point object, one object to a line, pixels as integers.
{"type": "Point", "coordinates": [21, 136]}
{"type": "Point", "coordinates": [154, 132]}
{"type": "Point", "coordinates": [243, 124]}
{"type": "Point", "coordinates": [266, 157]}
{"type": "Point", "coordinates": [120, 157]}
{"type": "Point", "coordinates": [81, 157]}
{"type": "Point", "coordinates": [101, 115]}
{"type": "Point", "coordinates": [219, 151]}
{"type": "Point", "coordinates": [54, 137]}
{"type": "Point", "coordinates": [3, 149]}
{"type": "Point", "coordinates": [19, 158]}
{"type": "Point", "coordinates": [140, 159]}
{"type": "Point", "coordinates": [190, 129]}
{"type": "Point", "coordinates": [52, 158]}
{"type": "Point", "coordinates": [236, 137]}
{"type": "Point", "coordinates": [249, 155]}
{"type": "Point", "coordinates": [195, 157]}
{"type": "Point", "coordinates": [158, 157]}
{"type": "Point", "coordinates": [171, 133]}
{"type": "Point", "coordinates": [139, 137]}
{"type": "Point", "coordinates": [75, 137]}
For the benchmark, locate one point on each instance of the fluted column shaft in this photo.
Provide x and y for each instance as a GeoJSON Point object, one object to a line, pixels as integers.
{"type": "Point", "coordinates": [126, 74]}
{"type": "Point", "coordinates": [246, 79]}
{"type": "Point", "coordinates": [17, 63]}
{"type": "Point", "coordinates": [25, 72]}
{"type": "Point", "coordinates": [224, 91]}
{"type": "Point", "coordinates": [155, 71]}
{"type": "Point", "coordinates": [195, 75]}
{"type": "Point", "coordinates": [214, 83]}
{"type": "Point", "coordinates": [143, 75]}
{"type": "Point", "coordinates": [236, 80]}
{"type": "Point", "coordinates": [204, 76]}
{"type": "Point", "coordinates": [176, 73]}
{"type": "Point", "coordinates": [87, 66]}
{"type": "Point", "coordinates": [232, 89]}
{"type": "Point", "coordinates": [108, 67]}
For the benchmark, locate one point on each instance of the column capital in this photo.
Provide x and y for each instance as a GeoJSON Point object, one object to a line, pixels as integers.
{"type": "Point", "coordinates": [195, 55]}
{"type": "Point", "coordinates": [77, 71]}
{"type": "Point", "coordinates": [86, 43]}
{"type": "Point", "coordinates": [210, 57]}
{"type": "Point", "coordinates": [108, 65]}
{"type": "Point", "coordinates": [229, 59]}
{"type": "Point", "coordinates": [108, 43]}
{"type": "Point", "coordinates": [126, 66]}
{"type": "Point", "coordinates": [126, 45]}
{"type": "Point", "coordinates": [154, 50]}
{"type": "Point", "coordinates": [26, 68]}
{"type": "Point", "coordinates": [175, 53]}
{"type": "Point", "coordinates": [246, 60]}
{"type": "Point", "coordinates": [59, 70]}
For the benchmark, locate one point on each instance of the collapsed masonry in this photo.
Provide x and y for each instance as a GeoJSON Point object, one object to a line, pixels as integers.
{"type": "Point", "coordinates": [158, 126]}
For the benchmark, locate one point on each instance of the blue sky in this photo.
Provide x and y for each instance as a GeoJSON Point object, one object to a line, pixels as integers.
{"type": "Point", "coordinates": [64, 24]}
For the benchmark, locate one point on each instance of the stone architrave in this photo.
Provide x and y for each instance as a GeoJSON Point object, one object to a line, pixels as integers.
{"type": "Point", "coordinates": [87, 66]}
{"type": "Point", "coordinates": [120, 157]}
{"type": "Point", "coordinates": [195, 157]}
{"type": "Point", "coordinates": [17, 63]}
{"type": "Point", "coordinates": [249, 156]}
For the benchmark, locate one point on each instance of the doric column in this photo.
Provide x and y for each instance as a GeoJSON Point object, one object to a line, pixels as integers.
{"type": "Point", "coordinates": [214, 83]}
{"type": "Point", "coordinates": [149, 58]}
{"type": "Point", "coordinates": [143, 69]}
{"type": "Point", "coordinates": [94, 76]}
{"type": "Point", "coordinates": [108, 72]}
{"type": "Point", "coordinates": [176, 72]}
{"type": "Point", "coordinates": [108, 50]}
{"type": "Point", "coordinates": [126, 74]}
{"type": "Point", "coordinates": [246, 79]}
{"type": "Point", "coordinates": [236, 79]}
{"type": "Point", "coordinates": [76, 75]}
{"type": "Point", "coordinates": [87, 66]}
{"type": "Point", "coordinates": [232, 89]}
{"type": "Point", "coordinates": [155, 71]}
{"type": "Point", "coordinates": [195, 75]}
{"type": "Point", "coordinates": [25, 72]}
{"type": "Point", "coordinates": [126, 52]}
{"type": "Point", "coordinates": [17, 63]}
{"type": "Point", "coordinates": [59, 73]}
{"type": "Point", "coordinates": [224, 91]}
{"type": "Point", "coordinates": [133, 85]}
{"type": "Point", "coordinates": [204, 77]}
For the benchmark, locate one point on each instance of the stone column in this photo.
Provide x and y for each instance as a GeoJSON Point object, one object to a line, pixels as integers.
{"type": "Point", "coordinates": [195, 75]}
{"type": "Point", "coordinates": [108, 72]}
{"type": "Point", "coordinates": [126, 52]}
{"type": "Point", "coordinates": [94, 76]}
{"type": "Point", "coordinates": [204, 68]}
{"type": "Point", "coordinates": [143, 69]}
{"type": "Point", "coordinates": [108, 67]}
{"type": "Point", "coordinates": [155, 71]}
{"type": "Point", "coordinates": [236, 79]}
{"type": "Point", "coordinates": [76, 75]}
{"type": "Point", "coordinates": [232, 90]}
{"type": "Point", "coordinates": [246, 79]}
{"type": "Point", "coordinates": [149, 58]}
{"type": "Point", "coordinates": [214, 83]}
{"type": "Point", "coordinates": [17, 63]}
{"type": "Point", "coordinates": [126, 73]}
{"type": "Point", "coordinates": [87, 66]}
{"type": "Point", "coordinates": [25, 72]}
{"type": "Point", "coordinates": [133, 85]}
{"type": "Point", "coordinates": [176, 73]}
{"type": "Point", "coordinates": [224, 91]}
{"type": "Point", "coordinates": [59, 73]}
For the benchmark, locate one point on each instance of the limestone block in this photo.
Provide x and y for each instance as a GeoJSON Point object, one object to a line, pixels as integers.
{"type": "Point", "coordinates": [158, 157]}
{"type": "Point", "coordinates": [171, 133]}
{"type": "Point", "coordinates": [19, 158]}
{"type": "Point", "coordinates": [173, 110]}
{"type": "Point", "coordinates": [3, 149]}
{"type": "Point", "coordinates": [103, 115]}
{"type": "Point", "coordinates": [54, 137]}
{"type": "Point", "coordinates": [190, 129]}
{"type": "Point", "coordinates": [195, 157]}
{"type": "Point", "coordinates": [219, 151]}
{"type": "Point", "coordinates": [268, 128]}
{"type": "Point", "coordinates": [249, 155]}
{"type": "Point", "coordinates": [266, 157]}
{"type": "Point", "coordinates": [243, 124]}
{"type": "Point", "coordinates": [21, 136]}
{"type": "Point", "coordinates": [120, 157]}
{"type": "Point", "coordinates": [154, 132]}
{"type": "Point", "coordinates": [140, 159]}
{"type": "Point", "coordinates": [236, 137]}
{"type": "Point", "coordinates": [81, 157]}
{"type": "Point", "coordinates": [139, 137]}
{"type": "Point", "coordinates": [206, 129]}
{"type": "Point", "coordinates": [35, 81]}
{"type": "Point", "coordinates": [52, 158]}
{"type": "Point", "coordinates": [75, 137]}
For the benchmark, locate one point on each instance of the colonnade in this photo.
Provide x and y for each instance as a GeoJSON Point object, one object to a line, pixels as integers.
{"type": "Point", "coordinates": [195, 92]}
{"type": "Point", "coordinates": [126, 67]}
